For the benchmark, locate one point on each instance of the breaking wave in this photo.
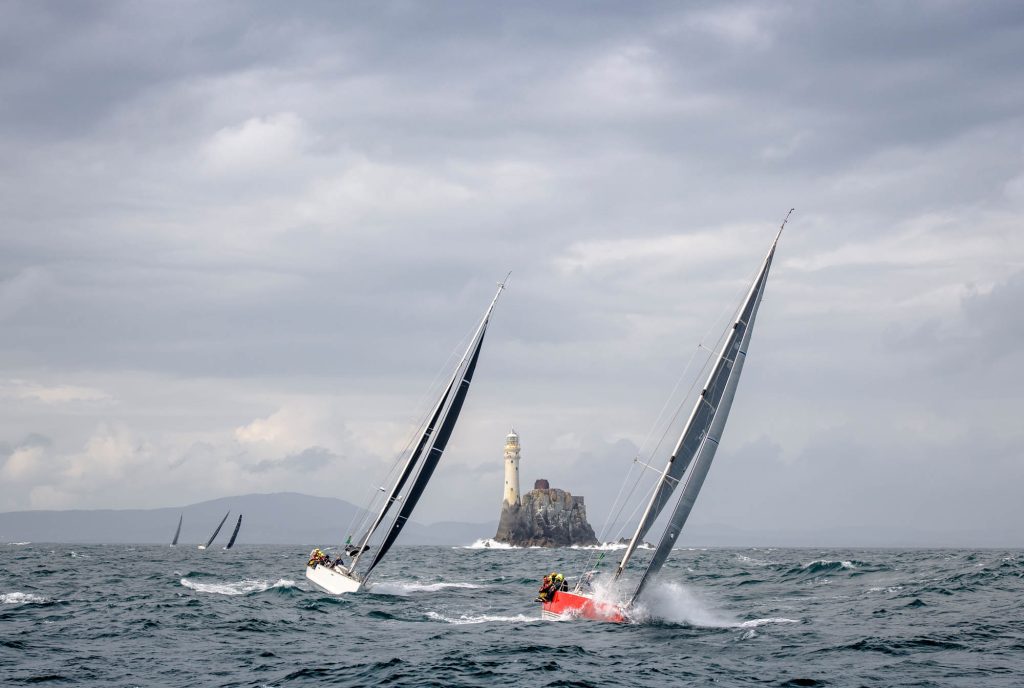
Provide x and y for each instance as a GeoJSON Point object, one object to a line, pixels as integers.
{"type": "Point", "coordinates": [488, 543]}
{"type": "Point", "coordinates": [482, 618]}
{"type": "Point", "coordinates": [243, 587]}
{"type": "Point", "coordinates": [675, 603]}
{"type": "Point", "coordinates": [400, 588]}
{"type": "Point", "coordinates": [22, 598]}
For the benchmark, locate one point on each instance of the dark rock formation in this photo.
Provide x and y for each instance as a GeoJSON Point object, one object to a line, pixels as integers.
{"type": "Point", "coordinates": [545, 518]}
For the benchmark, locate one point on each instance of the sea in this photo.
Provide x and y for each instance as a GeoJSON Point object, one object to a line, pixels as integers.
{"type": "Point", "coordinates": [122, 615]}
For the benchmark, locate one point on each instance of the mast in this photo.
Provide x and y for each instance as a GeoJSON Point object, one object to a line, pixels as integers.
{"type": "Point", "coordinates": [415, 457]}
{"type": "Point", "coordinates": [214, 536]}
{"type": "Point", "coordinates": [234, 533]}
{"type": "Point", "coordinates": [691, 440]}
{"type": "Point", "coordinates": [717, 397]}
{"type": "Point", "coordinates": [460, 383]}
{"type": "Point", "coordinates": [178, 531]}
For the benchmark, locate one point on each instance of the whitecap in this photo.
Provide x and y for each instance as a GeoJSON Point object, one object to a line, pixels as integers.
{"type": "Point", "coordinates": [488, 543]}
{"type": "Point", "coordinates": [242, 587]}
{"type": "Point", "coordinates": [482, 618]}
{"type": "Point", "coordinates": [18, 544]}
{"type": "Point", "coordinates": [404, 588]}
{"type": "Point", "coordinates": [754, 623]}
{"type": "Point", "coordinates": [21, 598]}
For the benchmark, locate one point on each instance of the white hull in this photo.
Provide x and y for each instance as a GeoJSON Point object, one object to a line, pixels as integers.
{"type": "Point", "coordinates": [332, 580]}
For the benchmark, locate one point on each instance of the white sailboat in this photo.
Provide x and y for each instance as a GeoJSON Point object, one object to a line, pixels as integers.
{"type": "Point", "coordinates": [415, 473]}
{"type": "Point", "coordinates": [695, 450]}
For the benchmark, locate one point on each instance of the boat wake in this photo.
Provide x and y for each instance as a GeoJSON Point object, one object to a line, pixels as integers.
{"type": "Point", "coordinates": [674, 603]}
{"type": "Point", "coordinates": [482, 618]}
{"type": "Point", "coordinates": [488, 543]}
{"type": "Point", "coordinates": [400, 588]}
{"type": "Point", "coordinates": [243, 587]}
{"type": "Point", "coordinates": [22, 598]}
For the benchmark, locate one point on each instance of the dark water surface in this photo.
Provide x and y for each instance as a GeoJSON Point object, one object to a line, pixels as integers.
{"type": "Point", "coordinates": [146, 615]}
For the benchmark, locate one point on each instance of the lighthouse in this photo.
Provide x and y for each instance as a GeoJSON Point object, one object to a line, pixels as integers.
{"type": "Point", "coordinates": [512, 468]}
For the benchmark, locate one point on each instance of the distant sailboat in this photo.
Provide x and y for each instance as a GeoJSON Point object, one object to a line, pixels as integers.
{"type": "Point", "coordinates": [234, 533]}
{"type": "Point", "coordinates": [214, 536]}
{"type": "Point", "coordinates": [174, 542]}
{"type": "Point", "coordinates": [416, 471]}
{"type": "Point", "coordinates": [696, 447]}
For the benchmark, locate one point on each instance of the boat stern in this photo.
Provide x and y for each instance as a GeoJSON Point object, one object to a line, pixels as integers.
{"type": "Point", "coordinates": [332, 580]}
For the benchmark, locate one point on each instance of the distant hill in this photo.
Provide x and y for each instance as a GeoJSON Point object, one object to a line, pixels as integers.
{"type": "Point", "coordinates": [278, 518]}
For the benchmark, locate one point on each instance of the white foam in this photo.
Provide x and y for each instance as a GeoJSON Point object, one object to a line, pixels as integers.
{"type": "Point", "coordinates": [488, 543]}
{"type": "Point", "coordinates": [827, 562]}
{"type": "Point", "coordinates": [404, 588]}
{"type": "Point", "coordinates": [754, 623]}
{"type": "Point", "coordinates": [242, 587]}
{"type": "Point", "coordinates": [21, 598]}
{"type": "Point", "coordinates": [482, 618]}
{"type": "Point", "coordinates": [677, 604]}
{"type": "Point", "coordinates": [17, 544]}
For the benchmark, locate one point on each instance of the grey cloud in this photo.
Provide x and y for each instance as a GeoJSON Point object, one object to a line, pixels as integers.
{"type": "Point", "coordinates": [421, 152]}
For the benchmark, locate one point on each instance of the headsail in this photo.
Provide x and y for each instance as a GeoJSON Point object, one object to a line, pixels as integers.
{"type": "Point", "coordinates": [214, 536]}
{"type": "Point", "coordinates": [234, 533]}
{"type": "Point", "coordinates": [703, 432]}
{"type": "Point", "coordinates": [178, 531]}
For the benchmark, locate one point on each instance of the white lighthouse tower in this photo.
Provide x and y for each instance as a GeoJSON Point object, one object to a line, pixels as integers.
{"type": "Point", "coordinates": [512, 468]}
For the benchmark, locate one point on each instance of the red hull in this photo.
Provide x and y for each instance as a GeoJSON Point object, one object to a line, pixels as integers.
{"type": "Point", "coordinates": [568, 603]}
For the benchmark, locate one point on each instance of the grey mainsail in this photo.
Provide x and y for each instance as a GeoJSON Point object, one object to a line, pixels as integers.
{"type": "Point", "coordinates": [214, 536]}
{"type": "Point", "coordinates": [718, 399]}
{"type": "Point", "coordinates": [703, 430]}
{"type": "Point", "coordinates": [234, 533]}
{"type": "Point", "coordinates": [178, 531]}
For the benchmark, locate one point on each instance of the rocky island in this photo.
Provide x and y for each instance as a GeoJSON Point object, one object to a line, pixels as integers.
{"type": "Point", "coordinates": [544, 517]}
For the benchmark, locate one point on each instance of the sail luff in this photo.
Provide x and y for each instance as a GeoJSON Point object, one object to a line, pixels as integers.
{"type": "Point", "coordinates": [178, 531]}
{"type": "Point", "coordinates": [702, 415]}
{"type": "Point", "coordinates": [214, 536]}
{"type": "Point", "coordinates": [431, 459]}
{"type": "Point", "coordinates": [709, 443]}
{"type": "Point", "coordinates": [234, 533]}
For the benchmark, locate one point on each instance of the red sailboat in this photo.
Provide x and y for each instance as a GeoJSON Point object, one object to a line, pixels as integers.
{"type": "Point", "coordinates": [695, 450]}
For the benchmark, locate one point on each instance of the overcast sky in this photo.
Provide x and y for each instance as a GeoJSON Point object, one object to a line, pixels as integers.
{"type": "Point", "coordinates": [240, 240]}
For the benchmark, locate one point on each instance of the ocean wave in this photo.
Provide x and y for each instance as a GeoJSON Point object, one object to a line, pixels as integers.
{"type": "Point", "coordinates": [482, 618]}
{"type": "Point", "coordinates": [754, 623]}
{"type": "Point", "coordinates": [488, 543]}
{"type": "Point", "coordinates": [18, 544]}
{"type": "Point", "coordinates": [404, 588]}
{"type": "Point", "coordinates": [22, 598]}
{"type": "Point", "coordinates": [242, 587]}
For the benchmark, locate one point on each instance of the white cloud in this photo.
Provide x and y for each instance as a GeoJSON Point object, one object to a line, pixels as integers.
{"type": "Point", "coordinates": [256, 146]}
